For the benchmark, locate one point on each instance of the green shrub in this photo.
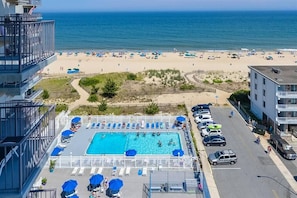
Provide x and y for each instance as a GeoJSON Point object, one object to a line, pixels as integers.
{"type": "Point", "coordinates": [217, 80]}
{"type": "Point", "coordinates": [88, 81]}
{"type": "Point", "coordinates": [187, 87]}
{"type": "Point", "coordinates": [61, 107]}
{"type": "Point", "coordinates": [102, 106]}
{"type": "Point", "coordinates": [45, 94]}
{"type": "Point", "coordinates": [93, 98]}
{"type": "Point", "coordinates": [131, 76]}
{"type": "Point", "coordinates": [206, 82]}
{"type": "Point", "coordinates": [152, 109]}
{"type": "Point", "coordinates": [241, 95]}
{"type": "Point", "coordinates": [228, 81]}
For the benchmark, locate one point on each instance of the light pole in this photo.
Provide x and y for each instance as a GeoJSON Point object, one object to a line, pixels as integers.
{"type": "Point", "coordinates": [150, 188]}
{"type": "Point", "coordinates": [288, 188]}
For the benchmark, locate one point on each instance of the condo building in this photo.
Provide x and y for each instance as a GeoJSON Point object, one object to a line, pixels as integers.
{"type": "Point", "coordinates": [27, 127]}
{"type": "Point", "coordinates": [273, 96]}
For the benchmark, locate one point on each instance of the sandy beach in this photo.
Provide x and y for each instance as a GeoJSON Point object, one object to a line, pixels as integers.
{"type": "Point", "coordinates": [228, 62]}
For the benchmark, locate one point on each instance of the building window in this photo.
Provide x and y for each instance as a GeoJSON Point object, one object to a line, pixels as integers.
{"type": "Point", "coordinates": [264, 92]}
{"type": "Point", "coordinates": [256, 97]}
{"type": "Point", "coordinates": [256, 86]}
{"type": "Point", "coordinates": [255, 75]}
{"type": "Point", "coordinates": [263, 81]}
{"type": "Point", "coordinates": [264, 104]}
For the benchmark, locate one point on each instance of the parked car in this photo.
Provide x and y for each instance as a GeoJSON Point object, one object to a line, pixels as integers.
{"type": "Point", "coordinates": [201, 111]}
{"type": "Point", "coordinates": [283, 147]}
{"type": "Point", "coordinates": [200, 106]}
{"type": "Point", "coordinates": [202, 118]}
{"type": "Point", "coordinates": [211, 129]}
{"type": "Point", "coordinates": [215, 140]}
{"type": "Point", "coordinates": [203, 125]}
{"type": "Point", "coordinates": [222, 157]}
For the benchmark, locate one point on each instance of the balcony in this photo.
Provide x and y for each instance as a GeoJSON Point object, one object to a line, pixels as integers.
{"type": "Point", "coordinates": [286, 107]}
{"type": "Point", "coordinates": [286, 94]}
{"type": "Point", "coordinates": [286, 120]}
{"type": "Point", "coordinates": [24, 2]}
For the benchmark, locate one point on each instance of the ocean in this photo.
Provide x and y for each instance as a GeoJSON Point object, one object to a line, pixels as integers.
{"type": "Point", "coordinates": [166, 31]}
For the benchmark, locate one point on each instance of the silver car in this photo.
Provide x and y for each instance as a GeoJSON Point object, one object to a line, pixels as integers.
{"type": "Point", "coordinates": [222, 157]}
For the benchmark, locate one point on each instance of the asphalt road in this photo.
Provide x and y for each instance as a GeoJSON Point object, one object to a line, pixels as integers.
{"type": "Point", "coordinates": [241, 180]}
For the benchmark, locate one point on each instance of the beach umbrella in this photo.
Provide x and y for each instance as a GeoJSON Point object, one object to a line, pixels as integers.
{"type": "Point", "coordinates": [69, 185]}
{"type": "Point", "coordinates": [96, 179]}
{"type": "Point", "coordinates": [181, 119]}
{"type": "Point", "coordinates": [67, 133]}
{"type": "Point", "coordinates": [178, 152]}
{"type": "Point", "coordinates": [57, 151]}
{"type": "Point", "coordinates": [75, 120]}
{"type": "Point", "coordinates": [115, 184]}
{"type": "Point", "coordinates": [131, 152]}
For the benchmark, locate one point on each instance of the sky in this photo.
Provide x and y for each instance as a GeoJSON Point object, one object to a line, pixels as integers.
{"type": "Point", "coordinates": [164, 5]}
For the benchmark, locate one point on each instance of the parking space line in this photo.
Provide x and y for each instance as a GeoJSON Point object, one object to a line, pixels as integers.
{"type": "Point", "coordinates": [226, 168]}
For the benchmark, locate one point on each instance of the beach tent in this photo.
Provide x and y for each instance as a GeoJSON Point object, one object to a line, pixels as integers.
{"type": "Point", "coordinates": [131, 152]}
{"type": "Point", "coordinates": [180, 119]}
{"type": "Point", "coordinates": [178, 152]}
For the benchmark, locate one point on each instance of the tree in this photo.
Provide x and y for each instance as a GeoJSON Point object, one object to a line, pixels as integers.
{"type": "Point", "coordinates": [110, 88]}
{"type": "Point", "coordinates": [102, 106]}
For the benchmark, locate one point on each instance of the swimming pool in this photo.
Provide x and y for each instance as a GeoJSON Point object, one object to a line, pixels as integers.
{"type": "Point", "coordinates": [143, 143]}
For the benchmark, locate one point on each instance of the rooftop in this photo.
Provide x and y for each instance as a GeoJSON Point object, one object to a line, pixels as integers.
{"type": "Point", "coordinates": [281, 75]}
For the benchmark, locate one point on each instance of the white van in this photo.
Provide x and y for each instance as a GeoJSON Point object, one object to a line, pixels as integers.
{"type": "Point", "coordinates": [201, 111]}
{"type": "Point", "coordinates": [204, 124]}
{"type": "Point", "coordinates": [212, 129]}
{"type": "Point", "coordinates": [203, 117]}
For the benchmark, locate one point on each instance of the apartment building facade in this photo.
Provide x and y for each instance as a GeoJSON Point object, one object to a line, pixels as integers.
{"type": "Point", "coordinates": [27, 127]}
{"type": "Point", "coordinates": [273, 96]}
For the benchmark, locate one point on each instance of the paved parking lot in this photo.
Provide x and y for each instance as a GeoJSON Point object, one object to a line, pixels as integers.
{"type": "Point", "coordinates": [241, 179]}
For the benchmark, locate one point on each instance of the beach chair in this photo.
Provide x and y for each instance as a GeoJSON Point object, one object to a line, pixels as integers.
{"type": "Point", "coordinates": [128, 169]}
{"type": "Point", "coordinates": [119, 125]}
{"type": "Point", "coordinates": [161, 125]}
{"type": "Point", "coordinates": [128, 126]}
{"type": "Point", "coordinates": [93, 170]}
{"type": "Point", "coordinates": [103, 125]}
{"type": "Point", "coordinates": [108, 125]}
{"type": "Point", "coordinates": [114, 125]}
{"type": "Point", "coordinates": [88, 125]}
{"type": "Point", "coordinates": [81, 171]}
{"type": "Point", "coordinates": [114, 171]}
{"type": "Point", "coordinates": [133, 126]}
{"type": "Point", "coordinates": [144, 171]}
{"type": "Point", "coordinates": [93, 125]}
{"type": "Point", "coordinates": [157, 125]}
{"type": "Point", "coordinates": [167, 125]}
{"type": "Point", "coordinates": [122, 171]}
{"type": "Point", "coordinates": [137, 126]}
{"type": "Point", "coordinates": [74, 171]}
{"type": "Point", "coordinates": [98, 125]}
{"type": "Point", "coordinates": [153, 125]}
{"type": "Point", "coordinates": [100, 169]}
{"type": "Point", "coordinates": [147, 125]}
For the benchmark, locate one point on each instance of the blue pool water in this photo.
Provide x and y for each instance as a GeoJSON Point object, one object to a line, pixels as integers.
{"type": "Point", "coordinates": [118, 143]}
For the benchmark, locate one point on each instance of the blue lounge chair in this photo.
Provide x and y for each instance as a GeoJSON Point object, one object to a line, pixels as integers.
{"type": "Point", "coordinates": [108, 125]}
{"type": "Point", "coordinates": [157, 125]}
{"type": "Point", "coordinates": [161, 125]}
{"type": "Point", "coordinates": [147, 125]}
{"type": "Point", "coordinates": [167, 125]}
{"type": "Point", "coordinates": [128, 126]}
{"type": "Point", "coordinates": [93, 125]}
{"type": "Point", "coordinates": [153, 126]}
{"type": "Point", "coordinates": [119, 125]}
{"type": "Point", "coordinates": [133, 126]}
{"type": "Point", "coordinates": [114, 125]}
{"type": "Point", "coordinates": [137, 126]}
{"type": "Point", "coordinates": [98, 125]}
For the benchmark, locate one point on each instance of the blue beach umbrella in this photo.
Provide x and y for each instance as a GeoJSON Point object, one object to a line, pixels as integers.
{"type": "Point", "coordinates": [67, 133]}
{"type": "Point", "coordinates": [115, 184]}
{"type": "Point", "coordinates": [75, 120]}
{"type": "Point", "coordinates": [131, 152]}
{"type": "Point", "coordinates": [180, 119]}
{"type": "Point", "coordinates": [57, 151]}
{"type": "Point", "coordinates": [96, 179]}
{"type": "Point", "coordinates": [178, 152]}
{"type": "Point", "coordinates": [69, 185]}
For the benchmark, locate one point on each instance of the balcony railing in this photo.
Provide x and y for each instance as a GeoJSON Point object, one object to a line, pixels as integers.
{"type": "Point", "coordinates": [286, 94]}
{"type": "Point", "coordinates": [286, 120]}
{"type": "Point", "coordinates": [24, 2]}
{"type": "Point", "coordinates": [286, 107]}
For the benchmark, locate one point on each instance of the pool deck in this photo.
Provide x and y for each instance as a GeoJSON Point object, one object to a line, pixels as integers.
{"type": "Point", "coordinates": [134, 182]}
